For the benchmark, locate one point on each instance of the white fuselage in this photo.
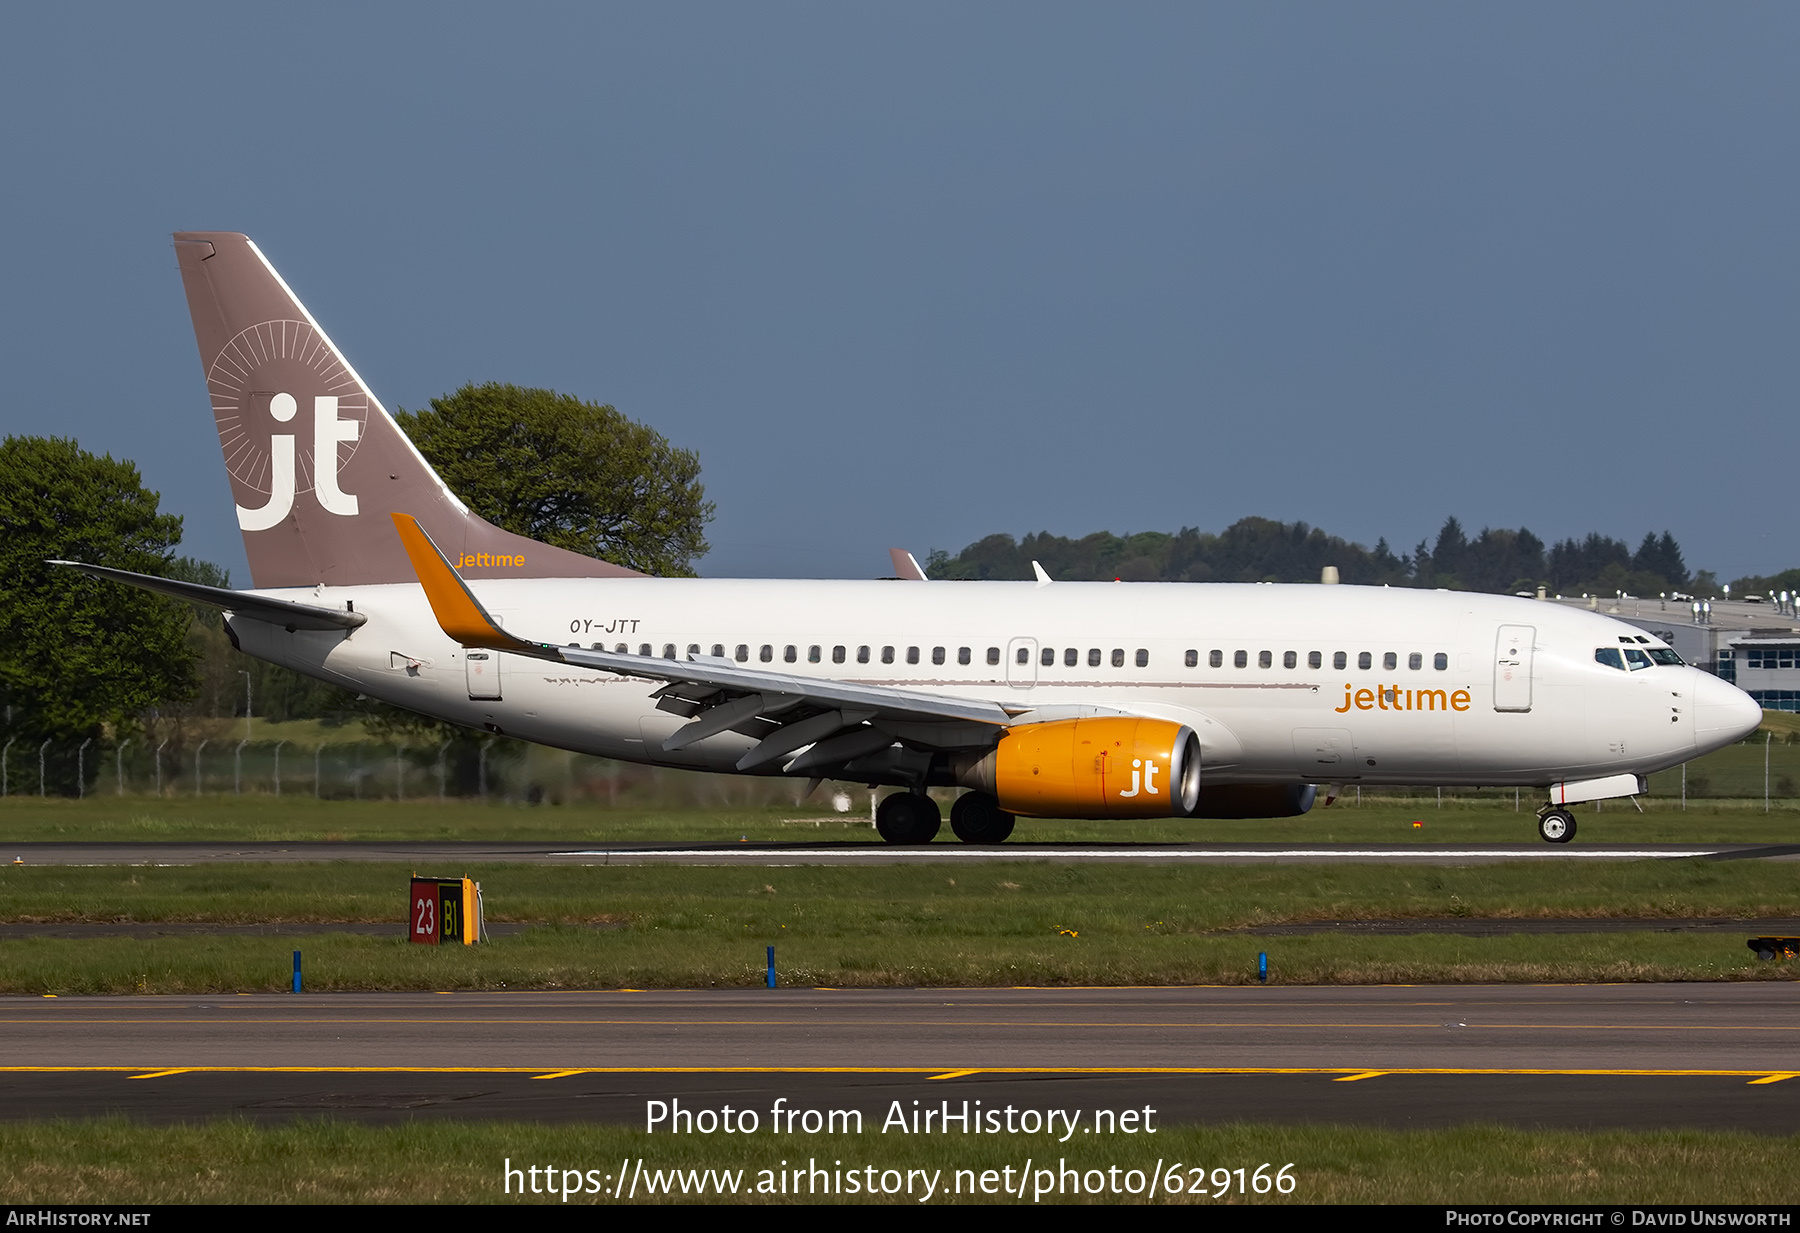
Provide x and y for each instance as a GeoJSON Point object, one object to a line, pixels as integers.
{"type": "Point", "coordinates": [1459, 688]}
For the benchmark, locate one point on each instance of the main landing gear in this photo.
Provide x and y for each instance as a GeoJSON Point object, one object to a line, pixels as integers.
{"type": "Point", "coordinates": [911, 817]}
{"type": "Point", "coordinates": [1556, 824]}
{"type": "Point", "coordinates": [907, 817]}
{"type": "Point", "coordinates": [977, 818]}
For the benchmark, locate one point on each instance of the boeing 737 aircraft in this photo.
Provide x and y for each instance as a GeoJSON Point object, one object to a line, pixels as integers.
{"type": "Point", "coordinates": [1046, 699]}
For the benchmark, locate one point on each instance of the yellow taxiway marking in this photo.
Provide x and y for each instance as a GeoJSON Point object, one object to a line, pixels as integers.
{"type": "Point", "coordinates": [929, 1072]}
{"type": "Point", "coordinates": [442, 1021]}
{"type": "Point", "coordinates": [1367, 1074]}
{"type": "Point", "coordinates": [560, 1074]}
{"type": "Point", "coordinates": [1775, 1078]}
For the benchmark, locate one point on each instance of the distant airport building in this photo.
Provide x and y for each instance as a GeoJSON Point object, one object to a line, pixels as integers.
{"type": "Point", "coordinates": [1764, 667]}
{"type": "Point", "coordinates": [1754, 646]}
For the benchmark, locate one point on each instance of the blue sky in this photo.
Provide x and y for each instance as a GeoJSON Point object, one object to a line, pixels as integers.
{"type": "Point", "coordinates": [911, 274]}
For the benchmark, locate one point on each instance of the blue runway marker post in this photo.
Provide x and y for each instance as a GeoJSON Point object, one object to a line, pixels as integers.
{"type": "Point", "coordinates": [771, 967]}
{"type": "Point", "coordinates": [1262, 967]}
{"type": "Point", "coordinates": [296, 971]}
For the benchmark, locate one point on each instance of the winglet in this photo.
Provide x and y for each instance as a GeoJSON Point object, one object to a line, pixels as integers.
{"type": "Point", "coordinates": [457, 610]}
{"type": "Point", "coordinates": [906, 566]}
{"type": "Point", "coordinates": [1043, 579]}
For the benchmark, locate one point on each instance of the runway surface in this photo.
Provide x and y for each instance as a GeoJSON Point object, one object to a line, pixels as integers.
{"type": "Point", "coordinates": [1748, 1027]}
{"type": "Point", "coordinates": [1704, 1055]}
{"type": "Point", "coordinates": [424, 855]}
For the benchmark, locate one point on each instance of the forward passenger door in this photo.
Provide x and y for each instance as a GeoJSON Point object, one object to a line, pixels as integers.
{"type": "Point", "coordinates": [1512, 667]}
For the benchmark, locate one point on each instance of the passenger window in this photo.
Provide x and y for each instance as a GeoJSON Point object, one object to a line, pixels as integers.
{"type": "Point", "coordinates": [837, 654]}
{"type": "Point", "coordinates": [937, 654]}
{"type": "Point", "coordinates": [1047, 656]}
{"type": "Point", "coordinates": [994, 655]}
{"type": "Point", "coordinates": [1118, 658]}
{"type": "Point", "coordinates": [812, 654]}
{"type": "Point", "coordinates": [766, 654]}
{"type": "Point", "coordinates": [1264, 659]}
{"type": "Point", "coordinates": [1192, 659]}
{"type": "Point", "coordinates": [1390, 661]}
{"type": "Point", "coordinates": [790, 654]}
{"type": "Point", "coordinates": [1093, 657]}
{"type": "Point", "coordinates": [1289, 659]}
{"type": "Point", "coordinates": [963, 656]}
{"type": "Point", "coordinates": [1415, 661]}
{"type": "Point", "coordinates": [1071, 657]}
{"type": "Point", "coordinates": [1636, 659]}
{"type": "Point", "coordinates": [623, 649]}
{"type": "Point", "coordinates": [742, 654]}
{"type": "Point", "coordinates": [1364, 660]}
{"type": "Point", "coordinates": [668, 650]}
{"type": "Point", "coordinates": [1241, 659]}
{"type": "Point", "coordinates": [887, 654]}
{"type": "Point", "coordinates": [1339, 660]}
{"type": "Point", "coordinates": [1441, 662]}
{"type": "Point", "coordinates": [912, 654]}
{"type": "Point", "coordinates": [862, 654]}
{"type": "Point", "coordinates": [718, 650]}
{"type": "Point", "coordinates": [693, 648]}
{"type": "Point", "coordinates": [1314, 659]}
{"type": "Point", "coordinates": [1024, 655]}
{"type": "Point", "coordinates": [1143, 658]}
{"type": "Point", "coordinates": [1216, 659]}
{"type": "Point", "coordinates": [1609, 655]}
{"type": "Point", "coordinates": [644, 650]}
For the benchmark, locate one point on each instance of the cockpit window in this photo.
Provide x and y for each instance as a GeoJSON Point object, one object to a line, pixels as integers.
{"type": "Point", "coordinates": [1610, 657]}
{"type": "Point", "coordinates": [1635, 659]}
{"type": "Point", "coordinates": [1663, 655]}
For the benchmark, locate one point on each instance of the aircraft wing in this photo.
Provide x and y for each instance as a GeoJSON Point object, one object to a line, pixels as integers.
{"type": "Point", "coordinates": [281, 612]}
{"type": "Point", "coordinates": [836, 721]}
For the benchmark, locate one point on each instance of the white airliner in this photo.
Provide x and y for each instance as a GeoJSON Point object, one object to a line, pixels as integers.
{"type": "Point", "coordinates": [1045, 699]}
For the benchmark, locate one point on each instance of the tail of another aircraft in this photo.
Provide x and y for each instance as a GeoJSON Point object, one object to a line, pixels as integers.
{"type": "Point", "coordinates": [317, 465]}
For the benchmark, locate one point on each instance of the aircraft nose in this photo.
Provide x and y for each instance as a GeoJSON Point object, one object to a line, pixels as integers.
{"type": "Point", "coordinates": [1723, 713]}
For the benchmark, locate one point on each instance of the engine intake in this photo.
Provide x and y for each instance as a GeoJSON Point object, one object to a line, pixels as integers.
{"type": "Point", "coordinates": [1110, 767]}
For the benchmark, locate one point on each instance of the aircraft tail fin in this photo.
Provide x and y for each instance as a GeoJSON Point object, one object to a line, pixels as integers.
{"type": "Point", "coordinates": [315, 460]}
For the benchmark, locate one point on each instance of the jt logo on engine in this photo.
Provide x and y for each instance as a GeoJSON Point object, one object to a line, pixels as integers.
{"type": "Point", "coordinates": [1149, 777]}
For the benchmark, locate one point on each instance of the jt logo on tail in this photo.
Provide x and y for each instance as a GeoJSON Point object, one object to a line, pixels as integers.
{"type": "Point", "coordinates": [328, 430]}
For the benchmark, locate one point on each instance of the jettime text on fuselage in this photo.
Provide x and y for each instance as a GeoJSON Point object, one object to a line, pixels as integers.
{"type": "Point", "coordinates": [1393, 698]}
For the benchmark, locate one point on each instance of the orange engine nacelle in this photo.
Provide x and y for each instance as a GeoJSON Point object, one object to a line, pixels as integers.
{"type": "Point", "coordinates": [1110, 767]}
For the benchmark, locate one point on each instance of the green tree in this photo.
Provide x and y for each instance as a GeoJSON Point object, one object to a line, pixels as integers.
{"type": "Point", "coordinates": [80, 655]}
{"type": "Point", "coordinates": [575, 474]}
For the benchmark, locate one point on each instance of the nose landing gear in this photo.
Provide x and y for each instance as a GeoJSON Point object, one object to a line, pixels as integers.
{"type": "Point", "coordinates": [1555, 824]}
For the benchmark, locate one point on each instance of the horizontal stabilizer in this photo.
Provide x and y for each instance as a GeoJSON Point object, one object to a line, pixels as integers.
{"type": "Point", "coordinates": [281, 612]}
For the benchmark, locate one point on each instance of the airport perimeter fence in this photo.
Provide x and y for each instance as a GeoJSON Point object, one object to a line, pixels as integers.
{"type": "Point", "coordinates": [1765, 769]}
{"type": "Point", "coordinates": [497, 770]}
{"type": "Point", "coordinates": [1762, 769]}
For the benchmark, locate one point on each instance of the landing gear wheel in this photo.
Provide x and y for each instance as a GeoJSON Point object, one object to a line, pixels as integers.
{"type": "Point", "coordinates": [907, 818]}
{"type": "Point", "coordinates": [977, 818]}
{"type": "Point", "coordinates": [1556, 826]}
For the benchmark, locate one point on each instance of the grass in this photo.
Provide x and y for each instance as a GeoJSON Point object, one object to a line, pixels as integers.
{"type": "Point", "coordinates": [114, 1161]}
{"type": "Point", "coordinates": [969, 925]}
{"type": "Point", "coordinates": [1485, 819]}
